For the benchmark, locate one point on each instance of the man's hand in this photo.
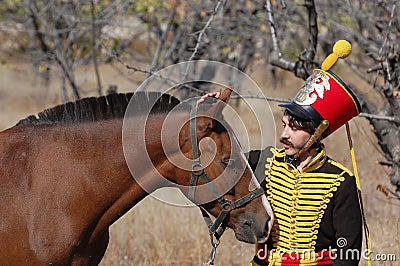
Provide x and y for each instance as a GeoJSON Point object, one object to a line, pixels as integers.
{"type": "Point", "coordinates": [210, 94]}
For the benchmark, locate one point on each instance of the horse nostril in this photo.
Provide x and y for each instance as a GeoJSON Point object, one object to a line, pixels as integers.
{"type": "Point", "coordinates": [268, 224]}
{"type": "Point", "coordinates": [247, 223]}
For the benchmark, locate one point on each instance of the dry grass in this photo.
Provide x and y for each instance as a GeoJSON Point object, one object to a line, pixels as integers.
{"type": "Point", "coordinates": [155, 233]}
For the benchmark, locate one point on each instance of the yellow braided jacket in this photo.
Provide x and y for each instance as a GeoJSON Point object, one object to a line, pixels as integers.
{"type": "Point", "coordinates": [316, 209]}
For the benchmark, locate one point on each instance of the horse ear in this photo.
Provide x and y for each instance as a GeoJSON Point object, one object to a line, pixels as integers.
{"type": "Point", "coordinates": [206, 122]}
{"type": "Point", "coordinates": [216, 110]}
{"type": "Point", "coordinates": [204, 125]}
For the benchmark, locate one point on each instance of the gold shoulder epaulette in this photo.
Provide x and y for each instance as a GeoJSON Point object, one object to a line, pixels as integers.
{"type": "Point", "coordinates": [340, 166]}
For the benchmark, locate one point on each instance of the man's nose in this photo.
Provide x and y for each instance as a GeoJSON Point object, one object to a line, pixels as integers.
{"type": "Point", "coordinates": [285, 133]}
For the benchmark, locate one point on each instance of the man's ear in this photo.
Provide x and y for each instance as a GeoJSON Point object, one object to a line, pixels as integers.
{"type": "Point", "coordinates": [216, 110]}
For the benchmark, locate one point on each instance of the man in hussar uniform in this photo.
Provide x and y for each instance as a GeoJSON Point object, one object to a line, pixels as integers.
{"type": "Point", "coordinates": [315, 199]}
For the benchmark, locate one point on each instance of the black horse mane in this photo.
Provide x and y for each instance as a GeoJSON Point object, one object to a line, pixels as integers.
{"type": "Point", "coordinates": [103, 108]}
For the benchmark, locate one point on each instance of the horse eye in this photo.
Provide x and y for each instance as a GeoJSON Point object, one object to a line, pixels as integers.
{"type": "Point", "coordinates": [230, 163]}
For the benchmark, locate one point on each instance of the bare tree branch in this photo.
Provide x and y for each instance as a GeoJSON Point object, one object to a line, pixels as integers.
{"type": "Point", "coordinates": [50, 53]}
{"type": "Point", "coordinates": [276, 54]}
{"type": "Point", "coordinates": [162, 39]}
{"type": "Point", "coordinates": [94, 46]}
{"type": "Point", "coordinates": [313, 31]}
{"type": "Point", "coordinates": [200, 36]}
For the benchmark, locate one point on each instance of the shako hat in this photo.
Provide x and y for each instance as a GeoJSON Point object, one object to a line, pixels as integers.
{"type": "Point", "coordinates": [324, 97]}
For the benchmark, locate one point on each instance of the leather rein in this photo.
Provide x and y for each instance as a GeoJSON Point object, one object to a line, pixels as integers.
{"type": "Point", "coordinates": [216, 228]}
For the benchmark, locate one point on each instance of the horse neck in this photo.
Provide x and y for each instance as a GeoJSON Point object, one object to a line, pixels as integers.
{"type": "Point", "coordinates": [168, 144]}
{"type": "Point", "coordinates": [99, 166]}
{"type": "Point", "coordinates": [147, 163]}
{"type": "Point", "coordinates": [120, 152]}
{"type": "Point", "coordinates": [108, 152]}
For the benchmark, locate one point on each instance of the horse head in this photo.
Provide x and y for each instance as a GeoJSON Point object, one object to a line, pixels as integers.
{"type": "Point", "coordinates": [221, 180]}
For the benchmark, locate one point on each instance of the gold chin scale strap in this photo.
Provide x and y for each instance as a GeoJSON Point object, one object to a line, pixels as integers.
{"type": "Point", "coordinates": [317, 134]}
{"type": "Point", "coordinates": [368, 242]}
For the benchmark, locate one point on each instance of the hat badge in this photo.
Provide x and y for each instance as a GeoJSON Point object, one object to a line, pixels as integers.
{"type": "Point", "coordinates": [315, 87]}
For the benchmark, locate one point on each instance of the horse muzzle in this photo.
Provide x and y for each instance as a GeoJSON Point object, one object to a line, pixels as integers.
{"type": "Point", "coordinates": [254, 226]}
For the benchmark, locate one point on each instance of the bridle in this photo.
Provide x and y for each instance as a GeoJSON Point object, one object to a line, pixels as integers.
{"type": "Point", "coordinates": [216, 228]}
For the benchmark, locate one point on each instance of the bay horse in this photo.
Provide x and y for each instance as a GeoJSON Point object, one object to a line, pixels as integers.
{"type": "Point", "coordinates": [64, 177]}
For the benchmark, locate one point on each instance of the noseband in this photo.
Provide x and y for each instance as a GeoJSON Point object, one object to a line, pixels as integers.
{"type": "Point", "coordinates": [216, 228]}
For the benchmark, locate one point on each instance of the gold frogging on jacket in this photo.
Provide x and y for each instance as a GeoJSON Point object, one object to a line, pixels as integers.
{"type": "Point", "coordinates": [299, 200]}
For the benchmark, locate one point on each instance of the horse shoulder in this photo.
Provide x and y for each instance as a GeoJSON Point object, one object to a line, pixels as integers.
{"type": "Point", "coordinates": [32, 221]}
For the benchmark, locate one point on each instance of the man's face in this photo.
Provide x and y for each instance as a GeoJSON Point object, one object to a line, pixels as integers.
{"type": "Point", "coordinates": [292, 138]}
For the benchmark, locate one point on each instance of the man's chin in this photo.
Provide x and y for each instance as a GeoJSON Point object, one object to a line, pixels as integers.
{"type": "Point", "coordinates": [290, 152]}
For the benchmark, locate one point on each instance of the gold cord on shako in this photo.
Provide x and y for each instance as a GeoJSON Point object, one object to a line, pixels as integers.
{"type": "Point", "coordinates": [342, 49]}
